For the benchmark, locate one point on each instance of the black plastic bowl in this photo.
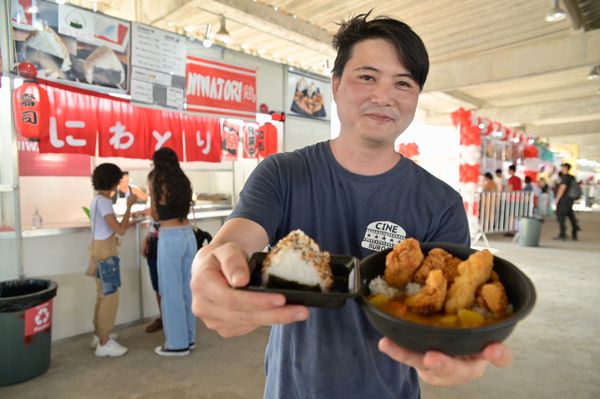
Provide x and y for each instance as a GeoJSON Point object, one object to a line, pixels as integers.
{"type": "Point", "coordinates": [452, 341]}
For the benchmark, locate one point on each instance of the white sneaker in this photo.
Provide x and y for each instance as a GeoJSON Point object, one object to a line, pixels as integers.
{"type": "Point", "coordinates": [96, 339]}
{"type": "Point", "coordinates": [110, 349]}
{"type": "Point", "coordinates": [160, 351]}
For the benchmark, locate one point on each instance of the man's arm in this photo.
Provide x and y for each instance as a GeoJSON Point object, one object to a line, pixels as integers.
{"type": "Point", "coordinates": [562, 188]}
{"type": "Point", "coordinates": [223, 264]}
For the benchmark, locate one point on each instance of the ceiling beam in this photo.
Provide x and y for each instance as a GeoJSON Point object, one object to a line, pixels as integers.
{"type": "Point", "coordinates": [588, 140]}
{"type": "Point", "coordinates": [578, 130]}
{"type": "Point", "coordinates": [577, 50]}
{"type": "Point", "coordinates": [262, 17]}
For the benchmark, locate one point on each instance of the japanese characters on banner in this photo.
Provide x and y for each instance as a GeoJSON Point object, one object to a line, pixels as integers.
{"type": "Point", "coordinates": [220, 89]}
{"type": "Point", "coordinates": [72, 127]}
{"type": "Point", "coordinates": [267, 140]}
{"type": "Point", "coordinates": [78, 120]}
{"type": "Point", "coordinates": [202, 138]}
{"type": "Point", "coordinates": [230, 139]}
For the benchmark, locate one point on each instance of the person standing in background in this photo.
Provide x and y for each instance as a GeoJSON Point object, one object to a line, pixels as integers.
{"type": "Point", "coordinates": [500, 180]}
{"type": "Point", "coordinates": [105, 225]}
{"type": "Point", "coordinates": [564, 204]}
{"type": "Point", "coordinates": [171, 193]}
{"type": "Point", "coordinates": [488, 183]}
{"type": "Point", "coordinates": [126, 188]}
{"type": "Point", "coordinates": [545, 192]}
{"type": "Point", "coordinates": [514, 182]}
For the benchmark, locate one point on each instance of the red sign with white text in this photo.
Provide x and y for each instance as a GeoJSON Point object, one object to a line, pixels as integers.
{"type": "Point", "coordinates": [122, 130]}
{"type": "Point", "coordinates": [165, 131]}
{"type": "Point", "coordinates": [202, 138]}
{"type": "Point", "coordinates": [73, 124]}
{"type": "Point", "coordinates": [220, 89]}
{"type": "Point", "coordinates": [38, 318]}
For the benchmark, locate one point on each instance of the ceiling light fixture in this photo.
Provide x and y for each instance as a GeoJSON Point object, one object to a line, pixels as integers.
{"type": "Point", "coordinates": [223, 35]}
{"type": "Point", "coordinates": [594, 73]}
{"type": "Point", "coordinates": [556, 13]}
{"type": "Point", "coordinates": [207, 42]}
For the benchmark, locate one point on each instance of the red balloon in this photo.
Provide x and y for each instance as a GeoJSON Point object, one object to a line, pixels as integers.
{"type": "Point", "coordinates": [531, 151]}
{"type": "Point", "coordinates": [31, 110]}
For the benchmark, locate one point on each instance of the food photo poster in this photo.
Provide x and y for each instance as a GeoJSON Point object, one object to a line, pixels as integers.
{"type": "Point", "coordinates": [308, 95]}
{"type": "Point", "coordinates": [67, 43]}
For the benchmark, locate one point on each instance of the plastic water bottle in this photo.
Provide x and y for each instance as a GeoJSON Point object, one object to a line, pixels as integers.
{"type": "Point", "coordinates": [36, 219]}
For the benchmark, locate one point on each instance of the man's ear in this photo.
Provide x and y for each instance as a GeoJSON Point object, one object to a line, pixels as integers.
{"type": "Point", "coordinates": [335, 84]}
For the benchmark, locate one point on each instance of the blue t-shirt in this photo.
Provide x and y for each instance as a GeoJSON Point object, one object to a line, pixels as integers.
{"type": "Point", "coordinates": [334, 353]}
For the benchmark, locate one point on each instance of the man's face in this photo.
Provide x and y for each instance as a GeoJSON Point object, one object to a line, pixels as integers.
{"type": "Point", "coordinates": [376, 95]}
{"type": "Point", "coordinates": [124, 183]}
{"type": "Point", "coordinates": [564, 170]}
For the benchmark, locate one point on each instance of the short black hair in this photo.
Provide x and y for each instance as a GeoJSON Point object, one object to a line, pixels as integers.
{"type": "Point", "coordinates": [566, 165]}
{"type": "Point", "coordinates": [489, 175]}
{"type": "Point", "coordinates": [527, 179]}
{"type": "Point", "coordinates": [498, 170]}
{"type": "Point", "coordinates": [106, 176]}
{"type": "Point", "coordinates": [512, 167]}
{"type": "Point", "coordinates": [410, 49]}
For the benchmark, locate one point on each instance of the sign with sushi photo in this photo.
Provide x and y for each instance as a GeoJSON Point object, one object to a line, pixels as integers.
{"type": "Point", "coordinates": [157, 67]}
{"type": "Point", "coordinates": [67, 43]}
{"type": "Point", "coordinates": [308, 95]}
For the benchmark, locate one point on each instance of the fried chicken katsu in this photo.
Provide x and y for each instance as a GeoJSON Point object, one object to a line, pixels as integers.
{"type": "Point", "coordinates": [472, 273]}
{"type": "Point", "coordinates": [492, 296]}
{"type": "Point", "coordinates": [431, 297]}
{"type": "Point", "coordinates": [438, 259]}
{"type": "Point", "coordinates": [402, 262]}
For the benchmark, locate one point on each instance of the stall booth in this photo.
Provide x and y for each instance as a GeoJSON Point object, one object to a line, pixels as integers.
{"type": "Point", "coordinates": [116, 92]}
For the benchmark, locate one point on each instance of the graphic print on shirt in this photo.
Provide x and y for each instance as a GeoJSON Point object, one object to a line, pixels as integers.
{"type": "Point", "coordinates": [382, 235]}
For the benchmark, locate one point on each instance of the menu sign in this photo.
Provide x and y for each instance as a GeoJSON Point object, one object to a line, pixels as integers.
{"type": "Point", "coordinates": [157, 67]}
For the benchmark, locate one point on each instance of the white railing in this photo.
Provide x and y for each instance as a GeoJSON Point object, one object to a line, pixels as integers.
{"type": "Point", "coordinates": [497, 212]}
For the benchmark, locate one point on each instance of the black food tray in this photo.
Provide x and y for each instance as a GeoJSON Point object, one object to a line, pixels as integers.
{"type": "Point", "coordinates": [346, 280]}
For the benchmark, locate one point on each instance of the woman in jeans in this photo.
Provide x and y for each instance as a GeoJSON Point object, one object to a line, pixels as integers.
{"type": "Point", "coordinates": [105, 226]}
{"type": "Point", "coordinates": [171, 194]}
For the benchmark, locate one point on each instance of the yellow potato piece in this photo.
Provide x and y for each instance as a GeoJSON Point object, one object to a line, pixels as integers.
{"type": "Point", "coordinates": [469, 318]}
{"type": "Point", "coordinates": [448, 320]}
{"type": "Point", "coordinates": [378, 300]}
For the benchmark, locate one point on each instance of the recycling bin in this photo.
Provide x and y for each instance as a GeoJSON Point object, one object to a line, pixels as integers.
{"type": "Point", "coordinates": [25, 328]}
{"type": "Point", "coordinates": [530, 230]}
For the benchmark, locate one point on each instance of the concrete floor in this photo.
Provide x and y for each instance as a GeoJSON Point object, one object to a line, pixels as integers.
{"type": "Point", "coordinates": [556, 349]}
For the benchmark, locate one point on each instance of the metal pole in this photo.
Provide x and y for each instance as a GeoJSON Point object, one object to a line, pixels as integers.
{"type": "Point", "coordinates": [7, 48]}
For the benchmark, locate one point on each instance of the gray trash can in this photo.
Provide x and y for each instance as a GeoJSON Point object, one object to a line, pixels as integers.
{"type": "Point", "coordinates": [26, 328]}
{"type": "Point", "coordinates": [530, 230]}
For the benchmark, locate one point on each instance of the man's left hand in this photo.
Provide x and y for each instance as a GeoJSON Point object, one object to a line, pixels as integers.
{"type": "Point", "coordinates": [437, 368]}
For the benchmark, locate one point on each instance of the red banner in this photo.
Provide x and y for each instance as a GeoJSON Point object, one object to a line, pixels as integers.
{"type": "Point", "coordinates": [202, 138]}
{"type": "Point", "coordinates": [122, 130]}
{"type": "Point", "coordinates": [230, 139]}
{"type": "Point", "coordinates": [73, 124]}
{"type": "Point", "coordinates": [220, 89]}
{"type": "Point", "coordinates": [267, 140]}
{"type": "Point", "coordinates": [165, 131]}
{"type": "Point", "coordinates": [38, 318]}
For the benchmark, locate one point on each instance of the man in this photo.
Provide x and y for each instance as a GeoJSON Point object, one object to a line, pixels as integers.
{"type": "Point", "coordinates": [334, 191]}
{"type": "Point", "coordinates": [514, 182]}
{"type": "Point", "coordinates": [500, 180]}
{"type": "Point", "coordinates": [564, 204]}
{"type": "Point", "coordinates": [125, 189]}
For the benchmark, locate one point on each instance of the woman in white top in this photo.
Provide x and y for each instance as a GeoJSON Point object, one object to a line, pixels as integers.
{"type": "Point", "coordinates": [105, 226]}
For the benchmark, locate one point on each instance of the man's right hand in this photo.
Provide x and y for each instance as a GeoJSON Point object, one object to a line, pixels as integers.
{"type": "Point", "coordinates": [216, 270]}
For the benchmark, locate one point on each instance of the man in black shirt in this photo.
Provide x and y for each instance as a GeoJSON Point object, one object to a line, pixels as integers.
{"type": "Point", "coordinates": [564, 203]}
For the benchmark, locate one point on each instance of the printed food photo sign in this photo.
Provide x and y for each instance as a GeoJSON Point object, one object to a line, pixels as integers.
{"type": "Point", "coordinates": [67, 43]}
{"type": "Point", "coordinates": [308, 95]}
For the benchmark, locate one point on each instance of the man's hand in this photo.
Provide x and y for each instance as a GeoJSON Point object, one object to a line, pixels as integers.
{"type": "Point", "coordinates": [230, 312]}
{"type": "Point", "coordinates": [439, 369]}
